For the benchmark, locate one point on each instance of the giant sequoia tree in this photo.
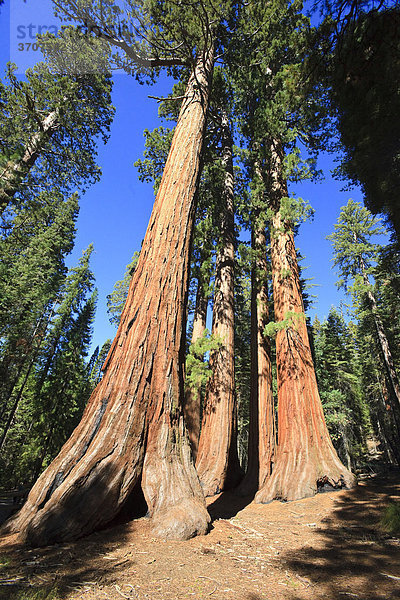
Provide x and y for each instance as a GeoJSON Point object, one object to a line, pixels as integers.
{"type": "Point", "coordinates": [132, 433]}
{"type": "Point", "coordinates": [278, 107]}
{"type": "Point", "coordinates": [217, 461]}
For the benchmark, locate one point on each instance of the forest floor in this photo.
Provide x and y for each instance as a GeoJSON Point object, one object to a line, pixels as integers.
{"type": "Point", "coordinates": [330, 546]}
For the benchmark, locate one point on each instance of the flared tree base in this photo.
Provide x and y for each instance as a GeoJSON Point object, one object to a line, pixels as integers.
{"type": "Point", "coordinates": [298, 478]}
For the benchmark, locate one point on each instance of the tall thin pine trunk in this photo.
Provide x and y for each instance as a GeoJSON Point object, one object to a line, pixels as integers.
{"type": "Point", "coordinates": [305, 457]}
{"type": "Point", "coordinates": [132, 431]}
{"type": "Point", "coordinates": [14, 172]}
{"type": "Point", "coordinates": [217, 461]}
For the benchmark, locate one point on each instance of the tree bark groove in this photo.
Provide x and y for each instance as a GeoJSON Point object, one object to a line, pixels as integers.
{"type": "Point", "coordinates": [132, 429]}
{"type": "Point", "coordinates": [217, 461]}
{"type": "Point", "coordinates": [306, 460]}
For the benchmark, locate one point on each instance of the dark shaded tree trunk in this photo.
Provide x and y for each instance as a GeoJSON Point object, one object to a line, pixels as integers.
{"type": "Point", "coordinates": [14, 172]}
{"type": "Point", "coordinates": [261, 446]}
{"type": "Point", "coordinates": [192, 406]}
{"type": "Point", "coordinates": [305, 457]}
{"type": "Point", "coordinates": [217, 460]}
{"type": "Point", "coordinates": [132, 432]}
{"type": "Point", "coordinates": [394, 396]}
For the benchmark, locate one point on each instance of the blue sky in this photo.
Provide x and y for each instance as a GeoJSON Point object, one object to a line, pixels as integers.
{"type": "Point", "coordinates": [115, 212]}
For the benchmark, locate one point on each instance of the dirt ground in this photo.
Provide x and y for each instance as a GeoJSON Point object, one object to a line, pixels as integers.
{"type": "Point", "coordinates": [330, 546]}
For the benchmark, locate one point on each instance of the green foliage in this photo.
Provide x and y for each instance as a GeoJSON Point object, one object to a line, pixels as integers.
{"type": "Point", "coordinates": [365, 68]}
{"type": "Point", "coordinates": [390, 520]}
{"type": "Point", "coordinates": [52, 381]}
{"type": "Point", "coordinates": [116, 300]}
{"type": "Point", "coordinates": [157, 145]}
{"type": "Point", "coordinates": [79, 101]}
{"type": "Point", "coordinates": [291, 319]}
{"type": "Point", "coordinates": [243, 345]}
{"type": "Point", "coordinates": [43, 593]}
{"type": "Point", "coordinates": [339, 372]}
{"type": "Point", "coordinates": [198, 370]}
{"type": "Point", "coordinates": [151, 34]}
{"type": "Point", "coordinates": [354, 252]}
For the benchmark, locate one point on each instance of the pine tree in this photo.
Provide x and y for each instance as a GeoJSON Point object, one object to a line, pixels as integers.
{"type": "Point", "coordinates": [338, 370]}
{"type": "Point", "coordinates": [32, 271]}
{"type": "Point", "coordinates": [360, 65]}
{"type": "Point", "coordinates": [57, 387]}
{"type": "Point", "coordinates": [48, 121]}
{"type": "Point", "coordinates": [116, 300]}
{"type": "Point", "coordinates": [355, 255]}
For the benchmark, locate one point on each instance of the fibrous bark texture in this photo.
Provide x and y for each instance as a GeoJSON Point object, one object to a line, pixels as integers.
{"type": "Point", "coordinates": [192, 406]}
{"type": "Point", "coordinates": [132, 432]}
{"type": "Point", "coordinates": [14, 172]}
{"type": "Point", "coordinates": [261, 446]}
{"type": "Point", "coordinates": [217, 460]}
{"type": "Point", "coordinates": [305, 458]}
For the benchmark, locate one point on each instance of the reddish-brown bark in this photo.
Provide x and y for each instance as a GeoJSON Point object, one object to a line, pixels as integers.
{"type": "Point", "coordinates": [192, 406]}
{"type": "Point", "coordinates": [261, 446]}
{"type": "Point", "coordinates": [217, 461]}
{"type": "Point", "coordinates": [305, 457]}
{"type": "Point", "coordinates": [132, 432]}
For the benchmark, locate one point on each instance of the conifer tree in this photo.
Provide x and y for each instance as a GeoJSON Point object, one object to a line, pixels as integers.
{"type": "Point", "coordinates": [279, 107]}
{"type": "Point", "coordinates": [57, 384]}
{"type": "Point", "coordinates": [217, 461]}
{"type": "Point", "coordinates": [339, 377]}
{"type": "Point", "coordinates": [355, 256]}
{"type": "Point", "coordinates": [53, 118]}
{"type": "Point", "coordinates": [33, 270]}
{"type": "Point", "coordinates": [143, 443]}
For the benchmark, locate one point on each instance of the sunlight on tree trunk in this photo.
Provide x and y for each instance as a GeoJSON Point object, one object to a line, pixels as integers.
{"type": "Point", "coordinates": [305, 458]}
{"type": "Point", "coordinates": [217, 460]}
{"type": "Point", "coordinates": [132, 432]}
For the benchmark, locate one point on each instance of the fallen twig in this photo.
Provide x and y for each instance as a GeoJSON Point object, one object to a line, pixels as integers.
{"type": "Point", "coordinates": [391, 576]}
{"type": "Point", "coordinates": [121, 593]}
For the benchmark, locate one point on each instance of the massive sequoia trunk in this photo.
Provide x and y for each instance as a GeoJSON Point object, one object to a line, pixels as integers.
{"type": "Point", "coordinates": [217, 460]}
{"type": "Point", "coordinates": [261, 446]}
{"type": "Point", "coordinates": [305, 458]}
{"type": "Point", "coordinates": [14, 172]}
{"type": "Point", "coordinates": [192, 406]}
{"type": "Point", "coordinates": [132, 432]}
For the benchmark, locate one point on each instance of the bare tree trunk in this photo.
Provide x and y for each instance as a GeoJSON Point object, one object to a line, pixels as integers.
{"type": "Point", "coordinates": [387, 358]}
{"type": "Point", "coordinates": [14, 172]}
{"type": "Point", "coordinates": [305, 458]}
{"type": "Point", "coordinates": [217, 460]}
{"type": "Point", "coordinates": [132, 431]}
{"type": "Point", "coordinates": [261, 445]}
{"type": "Point", "coordinates": [192, 406]}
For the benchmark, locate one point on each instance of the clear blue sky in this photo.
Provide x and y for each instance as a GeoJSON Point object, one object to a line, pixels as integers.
{"type": "Point", "coordinates": [115, 212]}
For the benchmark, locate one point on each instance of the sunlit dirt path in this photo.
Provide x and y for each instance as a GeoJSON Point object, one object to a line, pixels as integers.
{"type": "Point", "coordinates": [330, 546]}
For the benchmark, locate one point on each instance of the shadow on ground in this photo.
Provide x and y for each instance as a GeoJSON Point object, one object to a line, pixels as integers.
{"type": "Point", "coordinates": [227, 505]}
{"type": "Point", "coordinates": [56, 571]}
{"type": "Point", "coordinates": [355, 559]}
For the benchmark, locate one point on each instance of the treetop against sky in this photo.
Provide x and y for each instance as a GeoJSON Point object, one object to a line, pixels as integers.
{"type": "Point", "coordinates": [115, 211]}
